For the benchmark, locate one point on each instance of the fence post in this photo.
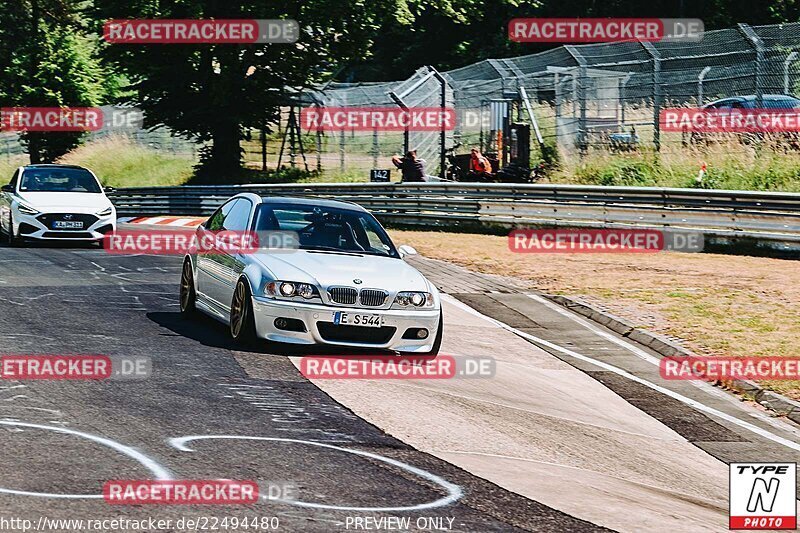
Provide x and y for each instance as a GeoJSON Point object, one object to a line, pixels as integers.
{"type": "Point", "coordinates": [656, 58]}
{"type": "Point", "coordinates": [443, 132]}
{"type": "Point", "coordinates": [319, 150]}
{"type": "Point", "coordinates": [402, 105]}
{"type": "Point", "coordinates": [700, 78]}
{"type": "Point", "coordinates": [581, 96]}
{"type": "Point", "coordinates": [341, 149]}
{"type": "Point", "coordinates": [264, 145]}
{"type": "Point", "coordinates": [791, 57]}
{"type": "Point", "coordinates": [758, 46]}
{"type": "Point", "coordinates": [375, 148]}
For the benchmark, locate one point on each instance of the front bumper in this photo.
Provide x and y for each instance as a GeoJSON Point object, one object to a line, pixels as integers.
{"type": "Point", "coordinates": [318, 321]}
{"type": "Point", "coordinates": [34, 228]}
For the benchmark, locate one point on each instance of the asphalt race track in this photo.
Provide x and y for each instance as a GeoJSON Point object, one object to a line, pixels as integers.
{"type": "Point", "coordinates": [574, 431]}
{"type": "Point", "coordinates": [61, 301]}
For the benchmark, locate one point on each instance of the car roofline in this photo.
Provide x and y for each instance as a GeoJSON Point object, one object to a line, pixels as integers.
{"type": "Point", "coordinates": [312, 200]}
{"type": "Point", "coordinates": [54, 165]}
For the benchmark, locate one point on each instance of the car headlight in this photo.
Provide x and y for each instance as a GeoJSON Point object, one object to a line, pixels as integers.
{"type": "Point", "coordinates": [27, 210]}
{"type": "Point", "coordinates": [413, 299]}
{"type": "Point", "coordinates": [105, 212]}
{"type": "Point", "coordinates": [291, 289]}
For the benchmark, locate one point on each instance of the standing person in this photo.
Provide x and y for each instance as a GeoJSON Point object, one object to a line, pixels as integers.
{"type": "Point", "coordinates": [479, 165]}
{"type": "Point", "coordinates": [412, 168]}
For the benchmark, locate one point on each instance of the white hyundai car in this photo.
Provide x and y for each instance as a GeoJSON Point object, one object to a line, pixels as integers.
{"type": "Point", "coordinates": [343, 282]}
{"type": "Point", "coordinates": [55, 202]}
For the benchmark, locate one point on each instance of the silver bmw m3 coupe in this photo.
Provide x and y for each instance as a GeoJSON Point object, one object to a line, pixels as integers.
{"type": "Point", "coordinates": [342, 283]}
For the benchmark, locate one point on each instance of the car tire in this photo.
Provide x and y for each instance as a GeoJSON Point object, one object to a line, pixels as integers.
{"type": "Point", "coordinates": [242, 323]}
{"type": "Point", "coordinates": [11, 239]}
{"type": "Point", "coordinates": [188, 296]}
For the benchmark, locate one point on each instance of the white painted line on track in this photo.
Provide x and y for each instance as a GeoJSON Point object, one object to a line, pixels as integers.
{"type": "Point", "coordinates": [454, 492]}
{"type": "Point", "coordinates": [605, 366]}
{"type": "Point", "coordinates": [642, 354]}
{"type": "Point", "coordinates": [156, 469]}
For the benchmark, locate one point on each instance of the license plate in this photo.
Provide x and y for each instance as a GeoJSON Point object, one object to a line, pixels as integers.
{"type": "Point", "coordinates": [340, 318]}
{"type": "Point", "coordinates": [67, 224]}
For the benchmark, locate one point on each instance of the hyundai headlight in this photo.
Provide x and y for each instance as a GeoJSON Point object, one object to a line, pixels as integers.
{"type": "Point", "coordinates": [105, 212]}
{"type": "Point", "coordinates": [27, 210]}
{"type": "Point", "coordinates": [413, 299]}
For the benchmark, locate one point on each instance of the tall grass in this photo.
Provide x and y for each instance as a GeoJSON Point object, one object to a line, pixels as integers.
{"type": "Point", "coordinates": [730, 164]}
{"type": "Point", "coordinates": [119, 162]}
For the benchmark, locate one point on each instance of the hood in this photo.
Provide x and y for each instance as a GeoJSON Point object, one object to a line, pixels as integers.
{"type": "Point", "coordinates": [329, 269]}
{"type": "Point", "coordinates": [69, 201]}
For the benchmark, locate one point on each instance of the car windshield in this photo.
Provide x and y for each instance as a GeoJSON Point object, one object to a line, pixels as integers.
{"type": "Point", "coordinates": [327, 228]}
{"type": "Point", "coordinates": [59, 180]}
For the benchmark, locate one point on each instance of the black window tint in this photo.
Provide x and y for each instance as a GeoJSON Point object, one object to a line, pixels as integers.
{"type": "Point", "coordinates": [780, 103]}
{"type": "Point", "coordinates": [59, 179]}
{"type": "Point", "coordinates": [14, 179]}
{"type": "Point", "coordinates": [239, 216]}
{"type": "Point", "coordinates": [217, 220]}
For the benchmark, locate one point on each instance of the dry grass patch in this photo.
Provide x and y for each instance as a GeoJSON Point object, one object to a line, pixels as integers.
{"type": "Point", "coordinates": [716, 304]}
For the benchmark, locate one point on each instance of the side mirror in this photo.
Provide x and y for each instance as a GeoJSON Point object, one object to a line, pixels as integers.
{"type": "Point", "coordinates": [7, 188]}
{"type": "Point", "coordinates": [406, 250]}
{"type": "Point", "coordinates": [109, 189]}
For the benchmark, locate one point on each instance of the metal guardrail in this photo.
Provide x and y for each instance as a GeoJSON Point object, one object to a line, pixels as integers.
{"type": "Point", "coordinates": [767, 216]}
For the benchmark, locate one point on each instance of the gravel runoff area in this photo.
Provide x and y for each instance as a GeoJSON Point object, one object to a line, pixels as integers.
{"type": "Point", "coordinates": [712, 304]}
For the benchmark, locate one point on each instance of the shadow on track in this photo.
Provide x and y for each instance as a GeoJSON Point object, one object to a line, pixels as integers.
{"type": "Point", "coordinates": [210, 332]}
{"type": "Point", "coordinates": [73, 245]}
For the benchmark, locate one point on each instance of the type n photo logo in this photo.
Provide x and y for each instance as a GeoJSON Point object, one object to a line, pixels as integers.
{"type": "Point", "coordinates": [763, 496]}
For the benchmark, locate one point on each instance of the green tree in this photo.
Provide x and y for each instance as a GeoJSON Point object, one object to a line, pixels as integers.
{"type": "Point", "coordinates": [453, 33]}
{"type": "Point", "coordinates": [211, 92]}
{"type": "Point", "coordinates": [50, 62]}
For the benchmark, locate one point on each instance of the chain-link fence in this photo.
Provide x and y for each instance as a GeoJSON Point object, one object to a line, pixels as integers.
{"type": "Point", "coordinates": [601, 98]}
{"type": "Point", "coordinates": [562, 104]}
{"type": "Point", "coordinates": [160, 139]}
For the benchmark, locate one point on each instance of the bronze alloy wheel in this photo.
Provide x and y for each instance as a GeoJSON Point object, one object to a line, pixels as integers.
{"type": "Point", "coordinates": [243, 327]}
{"type": "Point", "coordinates": [188, 295]}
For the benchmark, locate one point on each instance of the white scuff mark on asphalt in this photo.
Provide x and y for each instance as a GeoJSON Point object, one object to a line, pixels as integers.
{"type": "Point", "coordinates": [43, 409]}
{"type": "Point", "coordinates": [454, 492]}
{"type": "Point", "coordinates": [642, 354]}
{"type": "Point", "coordinates": [161, 473]}
{"type": "Point", "coordinates": [15, 397]}
{"type": "Point", "coordinates": [623, 373]}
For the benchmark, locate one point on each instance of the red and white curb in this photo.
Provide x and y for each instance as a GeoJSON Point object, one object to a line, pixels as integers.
{"type": "Point", "coordinates": [184, 222]}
